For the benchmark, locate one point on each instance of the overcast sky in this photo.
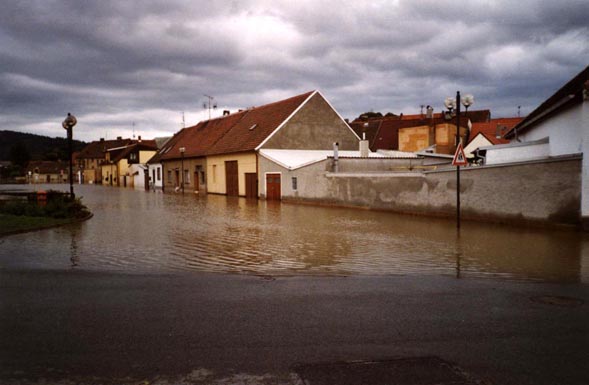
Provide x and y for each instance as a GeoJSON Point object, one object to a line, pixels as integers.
{"type": "Point", "coordinates": [118, 63]}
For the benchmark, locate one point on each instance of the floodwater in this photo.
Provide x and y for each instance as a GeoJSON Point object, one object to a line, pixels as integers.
{"type": "Point", "coordinates": [147, 232]}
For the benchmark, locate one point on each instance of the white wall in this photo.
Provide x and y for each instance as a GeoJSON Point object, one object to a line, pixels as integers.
{"type": "Point", "coordinates": [565, 131]}
{"type": "Point", "coordinates": [478, 141]}
{"type": "Point", "coordinates": [154, 182]}
{"type": "Point", "coordinates": [508, 153]}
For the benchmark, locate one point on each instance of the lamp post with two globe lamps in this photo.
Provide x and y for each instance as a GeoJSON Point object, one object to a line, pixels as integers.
{"type": "Point", "coordinates": [453, 106]}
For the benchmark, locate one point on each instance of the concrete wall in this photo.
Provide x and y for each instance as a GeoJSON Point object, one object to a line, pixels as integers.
{"type": "Point", "coordinates": [246, 163]}
{"type": "Point", "coordinates": [377, 164]}
{"type": "Point", "coordinates": [538, 192]}
{"type": "Point", "coordinates": [314, 127]}
{"type": "Point", "coordinates": [310, 179]}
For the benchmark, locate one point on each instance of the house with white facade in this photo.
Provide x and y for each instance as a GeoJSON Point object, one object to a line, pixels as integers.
{"type": "Point", "coordinates": [557, 129]}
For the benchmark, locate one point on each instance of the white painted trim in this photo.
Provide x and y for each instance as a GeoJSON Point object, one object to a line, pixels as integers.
{"type": "Point", "coordinates": [286, 120]}
{"type": "Point", "coordinates": [266, 183]}
{"type": "Point", "coordinates": [338, 115]}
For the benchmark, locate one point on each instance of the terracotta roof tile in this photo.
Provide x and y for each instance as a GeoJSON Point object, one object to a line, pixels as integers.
{"type": "Point", "coordinates": [237, 132]}
{"type": "Point", "coordinates": [144, 145]}
{"type": "Point", "coordinates": [256, 125]}
{"type": "Point", "coordinates": [383, 133]}
{"type": "Point", "coordinates": [96, 149]}
{"type": "Point", "coordinates": [489, 129]}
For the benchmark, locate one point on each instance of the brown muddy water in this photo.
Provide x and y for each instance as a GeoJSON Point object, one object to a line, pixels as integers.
{"type": "Point", "coordinates": [146, 232]}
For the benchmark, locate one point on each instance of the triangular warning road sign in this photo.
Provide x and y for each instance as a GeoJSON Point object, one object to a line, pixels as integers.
{"type": "Point", "coordinates": [459, 157]}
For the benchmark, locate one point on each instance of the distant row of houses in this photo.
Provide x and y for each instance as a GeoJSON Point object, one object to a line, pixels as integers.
{"type": "Point", "coordinates": [301, 149]}
{"type": "Point", "coordinates": [223, 155]}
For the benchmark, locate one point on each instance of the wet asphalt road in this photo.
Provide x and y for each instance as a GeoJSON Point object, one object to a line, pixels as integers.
{"type": "Point", "coordinates": [78, 326]}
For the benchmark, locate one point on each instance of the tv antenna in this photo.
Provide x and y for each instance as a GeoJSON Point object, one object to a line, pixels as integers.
{"type": "Point", "coordinates": [183, 121]}
{"type": "Point", "coordinates": [208, 106]}
{"type": "Point", "coordinates": [133, 130]}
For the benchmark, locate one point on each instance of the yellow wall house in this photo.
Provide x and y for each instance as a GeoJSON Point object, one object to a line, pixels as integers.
{"type": "Point", "coordinates": [92, 157]}
{"type": "Point", "coordinates": [115, 170]}
{"type": "Point", "coordinates": [228, 146]}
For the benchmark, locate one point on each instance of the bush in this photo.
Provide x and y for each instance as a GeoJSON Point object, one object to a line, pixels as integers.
{"type": "Point", "coordinates": [59, 205]}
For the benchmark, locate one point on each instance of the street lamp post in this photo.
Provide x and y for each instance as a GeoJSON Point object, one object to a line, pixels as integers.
{"type": "Point", "coordinates": [182, 150]}
{"type": "Point", "coordinates": [454, 104]}
{"type": "Point", "coordinates": [69, 123]}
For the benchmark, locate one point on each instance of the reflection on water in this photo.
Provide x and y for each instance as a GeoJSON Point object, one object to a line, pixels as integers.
{"type": "Point", "coordinates": [135, 231]}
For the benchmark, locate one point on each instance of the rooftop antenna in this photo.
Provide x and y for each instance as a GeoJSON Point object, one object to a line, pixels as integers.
{"type": "Point", "coordinates": [519, 111]}
{"type": "Point", "coordinates": [183, 121]}
{"type": "Point", "coordinates": [133, 130]}
{"type": "Point", "coordinates": [205, 105]}
{"type": "Point", "coordinates": [421, 109]}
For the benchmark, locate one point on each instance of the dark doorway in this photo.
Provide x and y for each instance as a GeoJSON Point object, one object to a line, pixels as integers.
{"type": "Point", "coordinates": [231, 178]}
{"type": "Point", "coordinates": [251, 185]}
{"type": "Point", "coordinates": [273, 186]}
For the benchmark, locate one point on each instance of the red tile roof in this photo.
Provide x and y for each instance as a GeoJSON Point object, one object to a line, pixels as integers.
{"type": "Point", "coordinates": [256, 125]}
{"type": "Point", "coordinates": [489, 129]}
{"type": "Point", "coordinates": [237, 132]}
{"type": "Point", "coordinates": [96, 149]}
{"type": "Point", "coordinates": [144, 145]}
{"type": "Point", "coordinates": [383, 133]}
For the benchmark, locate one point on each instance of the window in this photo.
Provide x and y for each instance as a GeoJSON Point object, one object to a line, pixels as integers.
{"type": "Point", "coordinates": [186, 177]}
{"type": "Point", "coordinates": [294, 183]}
{"type": "Point", "coordinates": [159, 173]}
{"type": "Point", "coordinates": [169, 176]}
{"type": "Point", "coordinates": [214, 173]}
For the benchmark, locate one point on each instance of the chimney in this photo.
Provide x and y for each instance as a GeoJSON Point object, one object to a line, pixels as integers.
{"type": "Point", "coordinates": [498, 132]}
{"type": "Point", "coordinates": [139, 138]}
{"type": "Point", "coordinates": [364, 150]}
{"type": "Point", "coordinates": [102, 139]}
{"type": "Point", "coordinates": [429, 112]}
{"type": "Point", "coordinates": [119, 138]}
{"type": "Point", "coordinates": [226, 112]}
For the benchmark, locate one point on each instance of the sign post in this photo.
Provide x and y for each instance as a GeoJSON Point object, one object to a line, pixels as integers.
{"type": "Point", "coordinates": [459, 160]}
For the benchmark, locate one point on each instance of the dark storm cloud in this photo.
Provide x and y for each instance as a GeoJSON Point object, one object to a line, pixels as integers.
{"type": "Point", "coordinates": [113, 63]}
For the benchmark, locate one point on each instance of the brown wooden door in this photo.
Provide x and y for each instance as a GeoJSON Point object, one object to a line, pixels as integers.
{"type": "Point", "coordinates": [196, 182]}
{"type": "Point", "coordinates": [273, 186]}
{"type": "Point", "coordinates": [231, 178]}
{"type": "Point", "coordinates": [251, 185]}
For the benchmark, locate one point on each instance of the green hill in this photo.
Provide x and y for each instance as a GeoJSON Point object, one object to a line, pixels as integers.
{"type": "Point", "coordinates": [38, 147]}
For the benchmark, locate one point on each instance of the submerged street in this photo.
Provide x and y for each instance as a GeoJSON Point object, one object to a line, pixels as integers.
{"type": "Point", "coordinates": [160, 288]}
